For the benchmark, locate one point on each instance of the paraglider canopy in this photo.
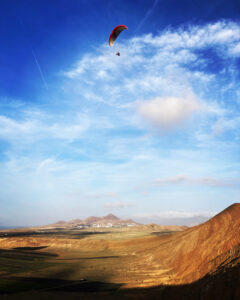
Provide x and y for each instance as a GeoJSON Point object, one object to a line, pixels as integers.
{"type": "Point", "coordinates": [115, 33]}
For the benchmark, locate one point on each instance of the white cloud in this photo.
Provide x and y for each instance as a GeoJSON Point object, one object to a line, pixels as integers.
{"type": "Point", "coordinates": [168, 113]}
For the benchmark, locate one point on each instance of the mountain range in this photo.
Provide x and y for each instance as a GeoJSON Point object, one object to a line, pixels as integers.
{"type": "Point", "coordinates": [89, 221]}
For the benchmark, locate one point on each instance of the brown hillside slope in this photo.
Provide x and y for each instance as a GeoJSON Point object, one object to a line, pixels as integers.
{"type": "Point", "coordinates": [206, 242]}
{"type": "Point", "coordinates": [191, 254]}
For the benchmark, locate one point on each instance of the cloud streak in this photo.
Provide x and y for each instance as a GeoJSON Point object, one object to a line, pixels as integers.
{"type": "Point", "coordinates": [207, 181]}
{"type": "Point", "coordinates": [40, 126]}
{"type": "Point", "coordinates": [177, 214]}
{"type": "Point", "coordinates": [174, 217]}
{"type": "Point", "coordinates": [118, 204]}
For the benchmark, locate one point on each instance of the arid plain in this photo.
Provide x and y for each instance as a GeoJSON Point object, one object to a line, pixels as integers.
{"type": "Point", "coordinates": [138, 262]}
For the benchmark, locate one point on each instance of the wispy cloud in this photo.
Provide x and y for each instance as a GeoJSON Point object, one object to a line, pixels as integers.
{"type": "Point", "coordinates": [105, 195]}
{"type": "Point", "coordinates": [208, 181]}
{"type": "Point", "coordinates": [196, 37]}
{"type": "Point", "coordinates": [226, 123]}
{"type": "Point", "coordinates": [118, 204]}
{"type": "Point", "coordinates": [174, 217]}
{"type": "Point", "coordinates": [35, 126]}
{"type": "Point", "coordinates": [177, 214]}
{"type": "Point", "coordinates": [173, 47]}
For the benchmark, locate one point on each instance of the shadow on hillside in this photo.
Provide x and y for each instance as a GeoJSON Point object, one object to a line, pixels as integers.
{"type": "Point", "coordinates": [59, 232]}
{"type": "Point", "coordinates": [92, 258]}
{"type": "Point", "coordinates": [30, 248]}
{"type": "Point", "coordinates": [159, 233]}
{"type": "Point", "coordinates": [25, 253]}
{"type": "Point", "coordinates": [224, 286]}
{"type": "Point", "coordinates": [86, 233]}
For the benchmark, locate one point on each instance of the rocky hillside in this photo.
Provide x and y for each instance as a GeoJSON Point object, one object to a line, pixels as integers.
{"type": "Point", "coordinates": [191, 254]}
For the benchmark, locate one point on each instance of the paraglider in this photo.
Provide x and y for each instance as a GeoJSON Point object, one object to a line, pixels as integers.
{"type": "Point", "coordinates": [114, 34]}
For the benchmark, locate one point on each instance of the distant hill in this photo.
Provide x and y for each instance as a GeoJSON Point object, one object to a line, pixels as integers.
{"type": "Point", "coordinates": [108, 220]}
{"type": "Point", "coordinates": [161, 228]}
{"type": "Point", "coordinates": [111, 220]}
{"type": "Point", "coordinates": [76, 221]}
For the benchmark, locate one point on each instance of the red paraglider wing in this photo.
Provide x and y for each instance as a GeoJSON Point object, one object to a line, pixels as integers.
{"type": "Point", "coordinates": [115, 33]}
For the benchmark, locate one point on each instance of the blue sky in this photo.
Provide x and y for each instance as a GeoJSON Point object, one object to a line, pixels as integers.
{"type": "Point", "coordinates": [153, 134]}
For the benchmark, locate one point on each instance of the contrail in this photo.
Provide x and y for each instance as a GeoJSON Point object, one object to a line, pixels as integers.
{"type": "Point", "coordinates": [39, 69]}
{"type": "Point", "coordinates": [147, 15]}
{"type": "Point", "coordinates": [33, 53]}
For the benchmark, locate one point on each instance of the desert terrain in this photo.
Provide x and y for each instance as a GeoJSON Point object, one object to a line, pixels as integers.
{"type": "Point", "coordinates": [121, 261]}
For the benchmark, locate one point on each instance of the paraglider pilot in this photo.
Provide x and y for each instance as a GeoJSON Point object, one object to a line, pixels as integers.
{"type": "Point", "coordinates": [114, 34]}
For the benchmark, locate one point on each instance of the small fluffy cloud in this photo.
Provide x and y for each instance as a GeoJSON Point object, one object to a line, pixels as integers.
{"type": "Point", "coordinates": [168, 113]}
